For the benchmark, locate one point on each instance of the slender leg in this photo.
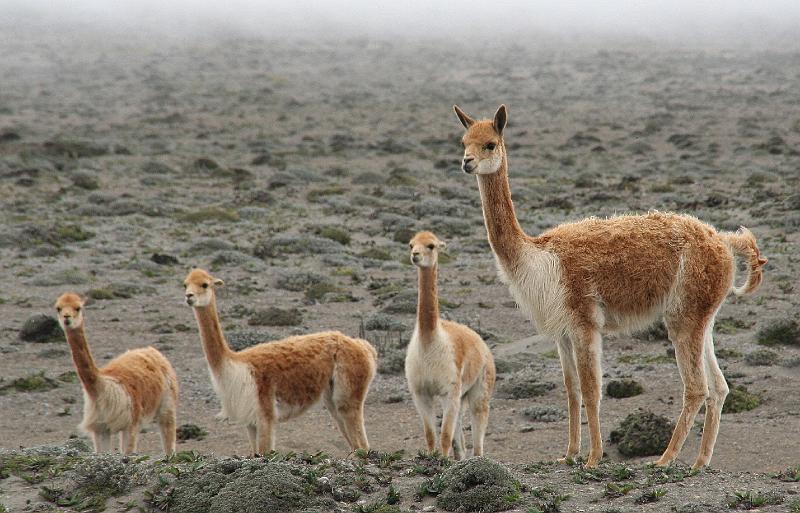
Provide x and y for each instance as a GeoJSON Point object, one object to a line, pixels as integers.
{"type": "Point", "coordinates": [479, 414]}
{"type": "Point", "coordinates": [265, 433]}
{"type": "Point", "coordinates": [689, 348]}
{"type": "Point", "coordinates": [588, 352]}
{"type": "Point", "coordinates": [458, 436]}
{"type": "Point", "coordinates": [424, 404]}
{"type": "Point", "coordinates": [572, 384]}
{"type": "Point", "coordinates": [452, 410]}
{"type": "Point", "coordinates": [166, 425]}
{"type": "Point", "coordinates": [353, 419]}
{"type": "Point", "coordinates": [334, 411]}
{"type": "Point", "coordinates": [128, 439]}
{"type": "Point", "coordinates": [717, 392]}
{"type": "Point", "coordinates": [103, 441]}
{"type": "Point", "coordinates": [252, 436]}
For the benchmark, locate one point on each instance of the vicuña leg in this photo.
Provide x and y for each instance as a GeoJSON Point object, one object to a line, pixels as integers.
{"type": "Point", "coordinates": [166, 424]}
{"type": "Point", "coordinates": [101, 440]}
{"type": "Point", "coordinates": [128, 439]}
{"type": "Point", "coordinates": [265, 435]}
{"type": "Point", "coordinates": [458, 436]}
{"type": "Point", "coordinates": [353, 417]}
{"type": "Point", "coordinates": [717, 392]}
{"type": "Point", "coordinates": [573, 387]}
{"type": "Point", "coordinates": [689, 346]}
{"type": "Point", "coordinates": [327, 397]}
{"type": "Point", "coordinates": [424, 404]}
{"type": "Point", "coordinates": [479, 413]}
{"type": "Point", "coordinates": [252, 435]}
{"type": "Point", "coordinates": [587, 347]}
{"type": "Point", "coordinates": [452, 410]}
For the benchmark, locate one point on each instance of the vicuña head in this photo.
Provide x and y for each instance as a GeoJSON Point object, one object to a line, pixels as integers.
{"type": "Point", "coordinates": [70, 311]}
{"type": "Point", "coordinates": [200, 288]}
{"type": "Point", "coordinates": [483, 142]}
{"type": "Point", "coordinates": [425, 247]}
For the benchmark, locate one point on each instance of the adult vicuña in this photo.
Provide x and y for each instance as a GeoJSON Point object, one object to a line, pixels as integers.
{"type": "Point", "coordinates": [276, 381]}
{"type": "Point", "coordinates": [136, 387]}
{"type": "Point", "coordinates": [446, 360]}
{"type": "Point", "coordinates": [581, 279]}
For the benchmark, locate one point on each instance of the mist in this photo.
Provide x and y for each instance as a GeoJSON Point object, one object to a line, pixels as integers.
{"type": "Point", "coordinates": [726, 22]}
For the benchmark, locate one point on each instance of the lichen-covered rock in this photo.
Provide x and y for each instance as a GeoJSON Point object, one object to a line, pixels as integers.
{"type": "Point", "coordinates": [478, 484]}
{"type": "Point", "coordinates": [642, 434]}
{"type": "Point", "coordinates": [523, 384]}
{"type": "Point", "coordinates": [245, 486]}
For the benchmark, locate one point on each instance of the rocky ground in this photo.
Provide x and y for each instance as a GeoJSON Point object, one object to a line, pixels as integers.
{"type": "Point", "coordinates": [296, 171]}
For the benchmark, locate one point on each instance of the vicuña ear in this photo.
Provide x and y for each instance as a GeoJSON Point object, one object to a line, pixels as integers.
{"type": "Point", "coordinates": [218, 282]}
{"type": "Point", "coordinates": [463, 117]}
{"type": "Point", "coordinates": [442, 244]}
{"type": "Point", "coordinates": [500, 119]}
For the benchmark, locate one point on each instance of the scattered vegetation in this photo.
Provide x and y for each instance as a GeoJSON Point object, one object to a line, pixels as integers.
{"type": "Point", "coordinates": [478, 484]}
{"type": "Point", "coordinates": [524, 384]}
{"type": "Point", "coordinates": [34, 382]}
{"type": "Point", "coordinates": [41, 328]}
{"type": "Point", "coordinates": [753, 500]}
{"type": "Point", "coordinates": [642, 434]}
{"type": "Point", "coordinates": [543, 413]}
{"type": "Point", "coordinates": [216, 214]}
{"type": "Point", "coordinates": [274, 316]}
{"type": "Point", "coordinates": [186, 432]}
{"type": "Point", "coordinates": [622, 388]}
{"type": "Point", "coordinates": [740, 399]}
{"type": "Point", "coordinates": [784, 332]}
{"type": "Point", "coordinates": [762, 357]}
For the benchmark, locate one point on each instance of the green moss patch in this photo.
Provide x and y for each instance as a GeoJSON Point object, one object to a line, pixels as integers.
{"type": "Point", "coordinates": [781, 332]}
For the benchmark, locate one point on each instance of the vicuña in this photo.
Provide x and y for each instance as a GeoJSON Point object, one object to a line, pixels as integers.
{"type": "Point", "coordinates": [595, 276]}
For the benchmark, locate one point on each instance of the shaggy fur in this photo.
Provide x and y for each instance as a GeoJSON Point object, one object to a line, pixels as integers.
{"type": "Point", "coordinates": [272, 382]}
{"type": "Point", "coordinates": [134, 388]}
{"type": "Point", "coordinates": [581, 279]}
{"type": "Point", "coordinates": [446, 360]}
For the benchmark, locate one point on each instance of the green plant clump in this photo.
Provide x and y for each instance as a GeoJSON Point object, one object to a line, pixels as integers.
{"type": "Point", "coordinates": [740, 399]}
{"type": "Point", "coordinates": [478, 484]}
{"type": "Point", "coordinates": [642, 434]}
{"type": "Point", "coordinates": [781, 332]}
{"type": "Point", "coordinates": [620, 389]}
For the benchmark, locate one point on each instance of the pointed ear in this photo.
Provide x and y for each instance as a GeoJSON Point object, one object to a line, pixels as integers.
{"type": "Point", "coordinates": [442, 244]}
{"type": "Point", "coordinates": [500, 119]}
{"type": "Point", "coordinates": [463, 117]}
{"type": "Point", "coordinates": [218, 282]}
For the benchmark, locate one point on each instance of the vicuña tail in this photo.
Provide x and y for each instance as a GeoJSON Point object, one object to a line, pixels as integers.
{"type": "Point", "coordinates": [743, 243]}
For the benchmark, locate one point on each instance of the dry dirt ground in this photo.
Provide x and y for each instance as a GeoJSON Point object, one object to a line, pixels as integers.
{"type": "Point", "coordinates": [296, 172]}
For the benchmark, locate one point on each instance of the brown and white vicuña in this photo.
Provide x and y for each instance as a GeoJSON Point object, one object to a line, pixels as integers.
{"type": "Point", "coordinates": [132, 389]}
{"type": "Point", "coordinates": [446, 361]}
{"type": "Point", "coordinates": [276, 381]}
{"type": "Point", "coordinates": [595, 276]}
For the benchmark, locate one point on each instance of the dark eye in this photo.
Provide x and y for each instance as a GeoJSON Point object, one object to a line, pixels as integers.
{"type": "Point", "coordinates": [77, 308]}
{"type": "Point", "coordinates": [431, 246]}
{"type": "Point", "coordinates": [490, 146]}
{"type": "Point", "coordinates": [58, 309]}
{"type": "Point", "coordinates": [205, 285]}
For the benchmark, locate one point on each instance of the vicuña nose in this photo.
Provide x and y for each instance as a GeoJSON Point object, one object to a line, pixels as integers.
{"type": "Point", "coordinates": [189, 295]}
{"type": "Point", "coordinates": [468, 160]}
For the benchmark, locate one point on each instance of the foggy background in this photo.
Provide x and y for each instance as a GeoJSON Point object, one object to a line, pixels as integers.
{"type": "Point", "coordinates": [725, 22]}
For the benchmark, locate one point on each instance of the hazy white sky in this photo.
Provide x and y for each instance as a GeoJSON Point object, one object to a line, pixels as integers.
{"type": "Point", "coordinates": [436, 18]}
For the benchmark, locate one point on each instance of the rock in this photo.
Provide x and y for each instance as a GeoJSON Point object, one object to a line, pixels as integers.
{"type": "Point", "coordinates": [41, 328]}
{"type": "Point", "coordinates": [190, 432]}
{"type": "Point", "coordinates": [163, 259]}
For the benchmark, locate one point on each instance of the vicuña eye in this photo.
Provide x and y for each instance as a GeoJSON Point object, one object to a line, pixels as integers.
{"type": "Point", "coordinates": [491, 146]}
{"type": "Point", "coordinates": [58, 309]}
{"type": "Point", "coordinates": [77, 308]}
{"type": "Point", "coordinates": [205, 285]}
{"type": "Point", "coordinates": [431, 246]}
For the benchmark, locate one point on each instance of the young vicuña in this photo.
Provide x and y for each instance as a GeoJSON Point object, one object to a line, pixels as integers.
{"type": "Point", "coordinates": [134, 388]}
{"type": "Point", "coordinates": [272, 382]}
{"type": "Point", "coordinates": [446, 360]}
{"type": "Point", "coordinates": [581, 279]}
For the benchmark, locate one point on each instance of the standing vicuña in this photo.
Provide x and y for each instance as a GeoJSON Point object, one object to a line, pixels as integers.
{"type": "Point", "coordinates": [276, 381]}
{"type": "Point", "coordinates": [579, 280]}
{"type": "Point", "coordinates": [446, 360]}
{"type": "Point", "coordinates": [133, 388]}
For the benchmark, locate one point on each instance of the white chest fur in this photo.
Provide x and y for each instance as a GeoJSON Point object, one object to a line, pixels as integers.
{"type": "Point", "coordinates": [430, 364]}
{"type": "Point", "coordinates": [237, 392]}
{"type": "Point", "coordinates": [110, 411]}
{"type": "Point", "coordinates": [536, 286]}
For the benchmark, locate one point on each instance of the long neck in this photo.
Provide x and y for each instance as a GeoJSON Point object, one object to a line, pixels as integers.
{"type": "Point", "coordinates": [428, 301]}
{"type": "Point", "coordinates": [214, 345]}
{"type": "Point", "coordinates": [505, 233]}
{"type": "Point", "coordinates": [87, 370]}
